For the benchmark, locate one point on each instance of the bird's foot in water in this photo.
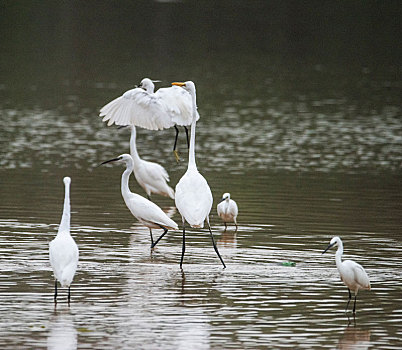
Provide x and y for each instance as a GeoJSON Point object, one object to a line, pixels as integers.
{"type": "Point", "coordinates": [176, 155]}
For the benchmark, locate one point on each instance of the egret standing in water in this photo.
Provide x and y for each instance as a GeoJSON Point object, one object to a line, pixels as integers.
{"type": "Point", "coordinates": [165, 108]}
{"type": "Point", "coordinates": [63, 251]}
{"type": "Point", "coordinates": [151, 176]}
{"type": "Point", "coordinates": [193, 196]}
{"type": "Point", "coordinates": [352, 274]}
{"type": "Point", "coordinates": [146, 212]}
{"type": "Point", "coordinates": [227, 210]}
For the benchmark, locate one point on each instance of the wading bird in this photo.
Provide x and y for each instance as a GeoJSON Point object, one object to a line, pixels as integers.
{"type": "Point", "coordinates": [63, 251]}
{"type": "Point", "coordinates": [193, 196]}
{"type": "Point", "coordinates": [146, 212]}
{"type": "Point", "coordinates": [141, 106]}
{"type": "Point", "coordinates": [352, 274]}
{"type": "Point", "coordinates": [227, 209]}
{"type": "Point", "coordinates": [151, 176]}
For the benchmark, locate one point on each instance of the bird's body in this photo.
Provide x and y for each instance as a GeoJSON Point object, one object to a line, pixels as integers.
{"type": "Point", "coordinates": [145, 211]}
{"type": "Point", "coordinates": [352, 274]}
{"type": "Point", "coordinates": [165, 108]}
{"type": "Point", "coordinates": [193, 197]}
{"type": "Point", "coordinates": [63, 251]}
{"type": "Point", "coordinates": [151, 176]}
{"type": "Point", "coordinates": [227, 210]}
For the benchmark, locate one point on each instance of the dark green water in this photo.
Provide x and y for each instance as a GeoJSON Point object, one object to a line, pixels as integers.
{"type": "Point", "coordinates": [300, 121]}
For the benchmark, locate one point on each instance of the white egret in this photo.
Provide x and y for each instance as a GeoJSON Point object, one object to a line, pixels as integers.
{"type": "Point", "coordinates": [227, 209]}
{"type": "Point", "coordinates": [193, 196]}
{"type": "Point", "coordinates": [151, 176]}
{"type": "Point", "coordinates": [147, 109]}
{"type": "Point", "coordinates": [352, 274]}
{"type": "Point", "coordinates": [146, 212]}
{"type": "Point", "coordinates": [63, 251]}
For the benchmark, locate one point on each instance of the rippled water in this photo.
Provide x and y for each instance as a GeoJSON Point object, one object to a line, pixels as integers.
{"type": "Point", "coordinates": [309, 149]}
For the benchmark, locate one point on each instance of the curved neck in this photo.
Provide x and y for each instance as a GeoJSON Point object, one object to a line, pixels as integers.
{"type": "Point", "coordinates": [125, 190]}
{"type": "Point", "coordinates": [338, 254]}
{"type": "Point", "coordinates": [191, 153]}
{"type": "Point", "coordinates": [65, 219]}
{"type": "Point", "coordinates": [133, 146]}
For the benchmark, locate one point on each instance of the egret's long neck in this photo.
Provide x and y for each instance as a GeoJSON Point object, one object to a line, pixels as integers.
{"type": "Point", "coordinates": [65, 219]}
{"type": "Point", "coordinates": [338, 254]}
{"type": "Point", "coordinates": [191, 156]}
{"type": "Point", "coordinates": [133, 146]}
{"type": "Point", "coordinates": [125, 190]}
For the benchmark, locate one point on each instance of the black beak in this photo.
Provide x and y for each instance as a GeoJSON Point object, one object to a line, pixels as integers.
{"type": "Point", "coordinates": [329, 247]}
{"type": "Point", "coordinates": [223, 199]}
{"type": "Point", "coordinates": [111, 160]}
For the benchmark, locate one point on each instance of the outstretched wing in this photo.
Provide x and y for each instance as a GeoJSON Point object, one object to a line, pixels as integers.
{"type": "Point", "coordinates": [140, 108]}
{"type": "Point", "coordinates": [179, 102]}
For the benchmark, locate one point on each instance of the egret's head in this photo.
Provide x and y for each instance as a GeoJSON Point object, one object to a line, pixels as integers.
{"type": "Point", "coordinates": [225, 196]}
{"type": "Point", "coordinates": [188, 86]}
{"type": "Point", "coordinates": [148, 84]}
{"type": "Point", "coordinates": [123, 158]}
{"type": "Point", "coordinates": [334, 241]}
{"type": "Point", "coordinates": [67, 180]}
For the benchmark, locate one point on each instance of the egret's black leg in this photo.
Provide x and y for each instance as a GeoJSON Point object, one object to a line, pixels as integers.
{"type": "Point", "coordinates": [176, 154]}
{"type": "Point", "coordinates": [149, 197]}
{"type": "Point", "coordinates": [183, 249]}
{"type": "Point", "coordinates": [165, 230]}
{"type": "Point", "coordinates": [216, 249]}
{"type": "Point", "coordinates": [55, 291]}
{"type": "Point", "coordinates": [226, 226]}
{"type": "Point", "coordinates": [236, 226]}
{"type": "Point", "coordinates": [188, 140]}
{"type": "Point", "coordinates": [354, 305]}
{"type": "Point", "coordinates": [350, 297]}
{"type": "Point", "coordinates": [69, 295]}
{"type": "Point", "coordinates": [152, 238]}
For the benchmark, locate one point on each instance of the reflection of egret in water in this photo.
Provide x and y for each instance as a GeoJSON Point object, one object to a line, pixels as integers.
{"type": "Point", "coordinates": [354, 339]}
{"type": "Point", "coordinates": [62, 333]}
{"type": "Point", "coordinates": [228, 240]}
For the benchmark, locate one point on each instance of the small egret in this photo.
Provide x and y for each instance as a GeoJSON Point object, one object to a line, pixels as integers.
{"type": "Point", "coordinates": [151, 176]}
{"type": "Point", "coordinates": [146, 212]}
{"type": "Point", "coordinates": [193, 196]}
{"type": "Point", "coordinates": [352, 274]}
{"type": "Point", "coordinates": [227, 209]}
{"type": "Point", "coordinates": [63, 251]}
{"type": "Point", "coordinates": [147, 109]}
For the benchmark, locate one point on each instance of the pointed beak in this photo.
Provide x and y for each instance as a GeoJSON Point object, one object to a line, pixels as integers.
{"type": "Point", "coordinates": [179, 84]}
{"type": "Point", "coordinates": [329, 247]}
{"type": "Point", "coordinates": [223, 199]}
{"type": "Point", "coordinates": [108, 161]}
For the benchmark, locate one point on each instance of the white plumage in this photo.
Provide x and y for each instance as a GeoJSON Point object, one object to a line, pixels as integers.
{"type": "Point", "coordinates": [146, 212]}
{"type": "Point", "coordinates": [148, 109]}
{"type": "Point", "coordinates": [63, 251]}
{"type": "Point", "coordinates": [193, 196]}
{"type": "Point", "coordinates": [151, 176]}
{"type": "Point", "coordinates": [352, 274]}
{"type": "Point", "coordinates": [227, 209]}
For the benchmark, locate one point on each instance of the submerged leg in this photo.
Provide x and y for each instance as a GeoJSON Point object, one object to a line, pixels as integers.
{"type": "Point", "coordinates": [55, 291]}
{"type": "Point", "coordinates": [226, 226]}
{"type": "Point", "coordinates": [350, 297]}
{"type": "Point", "coordinates": [183, 249]}
{"type": "Point", "coordinates": [176, 154]}
{"type": "Point", "coordinates": [69, 295]}
{"type": "Point", "coordinates": [354, 305]}
{"type": "Point", "coordinates": [152, 239]}
{"type": "Point", "coordinates": [165, 230]}
{"type": "Point", "coordinates": [236, 225]}
{"type": "Point", "coordinates": [188, 141]}
{"type": "Point", "coordinates": [213, 242]}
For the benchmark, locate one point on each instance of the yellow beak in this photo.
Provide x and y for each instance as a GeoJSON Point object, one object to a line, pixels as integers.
{"type": "Point", "coordinates": [179, 84]}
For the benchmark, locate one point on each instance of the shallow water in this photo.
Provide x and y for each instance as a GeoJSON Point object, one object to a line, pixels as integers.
{"type": "Point", "coordinates": [308, 150]}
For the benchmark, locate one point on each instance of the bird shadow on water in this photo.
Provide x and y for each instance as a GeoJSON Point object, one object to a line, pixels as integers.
{"type": "Point", "coordinates": [354, 338]}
